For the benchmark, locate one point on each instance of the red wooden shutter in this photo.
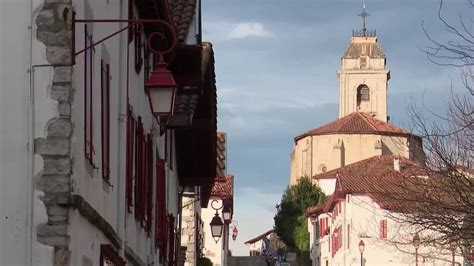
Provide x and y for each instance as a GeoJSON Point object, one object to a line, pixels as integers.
{"type": "Point", "coordinates": [105, 119]}
{"type": "Point", "coordinates": [160, 214]}
{"type": "Point", "coordinates": [140, 168]}
{"type": "Point", "coordinates": [320, 228]}
{"type": "Point", "coordinates": [383, 229]}
{"type": "Point", "coordinates": [130, 25]}
{"type": "Point", "coordinates": [88, 106]}
{"type": "Point", "coordinates": [149, 183]}
{"type": "Point", "coordinates": [171, 240]}
{"type": "Point", "coordinates": [131, 128]}
{"type": "Point", "coordinates": [138, 49]}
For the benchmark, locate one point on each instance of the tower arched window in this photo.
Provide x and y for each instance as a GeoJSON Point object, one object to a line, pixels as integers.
{"type": "Point", "coordinates": [363, 94]}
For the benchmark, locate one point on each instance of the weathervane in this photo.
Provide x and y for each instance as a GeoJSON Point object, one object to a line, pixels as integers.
{"type": "Point", "coordinates": [364, 15]}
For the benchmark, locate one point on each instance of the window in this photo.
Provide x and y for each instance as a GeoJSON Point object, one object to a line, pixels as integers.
{"type": "Point", "coordinates": [105, 119]}
{"type": "Point", "coordinates": [88, 104]}
{"type": "Point", "coordinates": [363, 62]}
{"type": "Point", "coordinates": [383, 229]}
{"type": "Point", "coordinates": [131, 130]}
{"type": "Point", "coordinates": [110, 257]}
{"type": "Point", "coordinates": [363, 94]}
{"type": "Point", "coordinates": [138, 48]}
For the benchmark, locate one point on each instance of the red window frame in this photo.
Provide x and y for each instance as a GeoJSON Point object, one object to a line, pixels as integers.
{"type": "Point", "coordinates": [89, 150]}
{"type": "Point", "coordinates": [111, 256]}
{"type": "Point", "coordinates": [105, 119]}
{"type": "Point", "coordinates": [383, 229]}
{"type": "Point", "coordinates": [131, 130]}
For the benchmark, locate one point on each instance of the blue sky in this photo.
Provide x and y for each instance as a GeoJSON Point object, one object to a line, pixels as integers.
{"type": "Point", "coordinates": [276, 63]}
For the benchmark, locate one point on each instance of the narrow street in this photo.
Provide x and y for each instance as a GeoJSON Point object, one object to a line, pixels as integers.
{"type": "Point", "coordinates": [215, 133]}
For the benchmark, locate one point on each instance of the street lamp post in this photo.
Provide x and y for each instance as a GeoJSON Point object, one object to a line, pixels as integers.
{"type": "Point", "coordinates": [361, 249]}
{"type": "Point", "coordinates": [416, 244]}
{"type": "Point", "coordinates": [453, 246]}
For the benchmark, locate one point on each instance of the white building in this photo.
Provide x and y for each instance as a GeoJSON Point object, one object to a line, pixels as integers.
{"type": "Point", "coordinates": [222, 200]}
{"type": "Point", "coordinates": [363, 207]}
{"type": "Point", "coordinates": [88, 174]}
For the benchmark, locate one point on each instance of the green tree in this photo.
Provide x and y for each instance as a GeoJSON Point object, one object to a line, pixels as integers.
{"type": "Point", "coordinates": [203, 261]}
{"type": "Point", "coordinates": [290, 222]}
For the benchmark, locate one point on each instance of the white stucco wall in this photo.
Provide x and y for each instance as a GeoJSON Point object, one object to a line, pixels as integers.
{"type": "Point", "coordinates": [363, 216]}
{"type": "Point", "coordinates": [25, 108]}
{"type": "Point", "coordinates": [212, 250]}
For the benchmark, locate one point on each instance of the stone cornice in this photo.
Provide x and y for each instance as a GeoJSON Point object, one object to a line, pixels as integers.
{"type": "Point", "coordinates": [88, 212]}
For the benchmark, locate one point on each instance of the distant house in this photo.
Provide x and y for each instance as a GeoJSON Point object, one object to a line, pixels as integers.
{"type": "Point", "coordinates": [266, 244]}
{"type": "Point", "coordinates": [367, 197]}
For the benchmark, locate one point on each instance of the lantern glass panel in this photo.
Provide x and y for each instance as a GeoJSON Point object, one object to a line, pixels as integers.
{"type": "Point", "coordinates": [161, 99]}
{"type": "Point", "coordinates": [227, 215]}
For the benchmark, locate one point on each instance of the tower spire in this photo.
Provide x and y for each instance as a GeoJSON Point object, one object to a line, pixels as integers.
{"type": "Point", "coordinates": [364, 15]}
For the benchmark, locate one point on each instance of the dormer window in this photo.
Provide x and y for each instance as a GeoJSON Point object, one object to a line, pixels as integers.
{"type": "Point", "coordinates": [363, 94]}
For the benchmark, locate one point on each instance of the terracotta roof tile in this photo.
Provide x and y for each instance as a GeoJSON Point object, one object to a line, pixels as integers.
{"type": "Point", "coordinates": [223, 187]}
{"type": "Point", "coordinates": [221, 154]}
{"type": "Point", "coordinates": [356, 123]}
{"type": "Point", "coordinates": [182, 12]}
{"type": "Point", "coordinates": [375, 177]}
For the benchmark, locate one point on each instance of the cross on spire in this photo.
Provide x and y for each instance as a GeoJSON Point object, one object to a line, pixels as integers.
{"type": "Point", "coordinates": [364, 15]}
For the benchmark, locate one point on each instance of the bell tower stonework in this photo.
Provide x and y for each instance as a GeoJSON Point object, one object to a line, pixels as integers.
{"type": "Point", "coordinates": [363, 77]}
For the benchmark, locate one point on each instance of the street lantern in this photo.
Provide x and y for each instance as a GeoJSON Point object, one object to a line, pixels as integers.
{"type": "Point", "coordinates": [416, 243]}
{"type": "Point", "coordinates": [235, 232]}
{"type": "Point", "coordinates": [361, 246]}
{"type": "Point", "coordinates": [416, 240]}
{"type": "Point", "coordinates": [216, 227]}
{"type": "Point", "coordinates": [453, 245]}
{"type": "Point", "coordinates": [161, 90]}
{"type": "Point", "coordinates": [361, 249]}
{"type": "Point", "coordinates": [227, 214]}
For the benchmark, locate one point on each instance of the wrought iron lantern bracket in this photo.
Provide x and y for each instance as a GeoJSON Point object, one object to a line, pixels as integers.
{"type": "Point", "coordinates": [141, 27]}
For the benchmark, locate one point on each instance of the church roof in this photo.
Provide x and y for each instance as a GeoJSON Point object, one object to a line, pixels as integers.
{"type": "Point", "coordinates": [370, 49]}
{"type": "Point", "coordinates": [356, 123]}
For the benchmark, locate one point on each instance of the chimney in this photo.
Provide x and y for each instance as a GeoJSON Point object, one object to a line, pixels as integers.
{"type": "Point", "coordinates": [396, 164]}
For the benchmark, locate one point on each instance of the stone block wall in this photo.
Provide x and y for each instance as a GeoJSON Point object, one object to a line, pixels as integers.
{"type": "Point", "coordinates": [54, 30]}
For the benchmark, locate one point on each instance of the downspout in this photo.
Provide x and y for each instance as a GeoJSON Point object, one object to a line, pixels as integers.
{"type": "Point", "coordinates": [180, 221]}
{"type": "Point", "coordinates": [119, 151]}
{"type": "Point", "coordinates": [30, 163]}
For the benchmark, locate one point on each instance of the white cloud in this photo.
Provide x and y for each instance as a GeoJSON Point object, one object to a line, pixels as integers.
{"type": "Point", "coordinates": [249, 29]}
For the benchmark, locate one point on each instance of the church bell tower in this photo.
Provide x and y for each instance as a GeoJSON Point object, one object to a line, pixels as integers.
{"type": "Point", "coordinates": [363, 77]}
